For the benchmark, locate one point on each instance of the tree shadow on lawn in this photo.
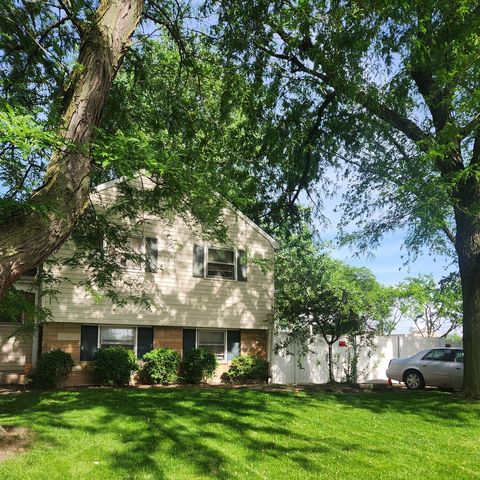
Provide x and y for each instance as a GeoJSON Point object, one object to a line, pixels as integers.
{"type": "Point", "coordinates": [206, 431]}
{"type": "Point", "coordinates": [430, 405]}
{"type": "Point", "coordinates": [201, 429]}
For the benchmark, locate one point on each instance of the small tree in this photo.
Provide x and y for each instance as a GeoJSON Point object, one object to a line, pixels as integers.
{"type": "Point", "coordinates": [394, 311]}
{"type": "Point", "coordinates": [317, 296]}
{"type": "Point", "coordinates": [434, 308]}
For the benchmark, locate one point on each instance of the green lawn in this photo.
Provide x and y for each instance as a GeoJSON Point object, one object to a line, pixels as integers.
{"type": "Point", "coordinates": [243, 433]}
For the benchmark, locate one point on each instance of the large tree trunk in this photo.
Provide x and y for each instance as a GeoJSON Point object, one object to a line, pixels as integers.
{"type": "Point", "coordinates": [468, 250]}
{"type": "Point", "coordinates": [30, 235]}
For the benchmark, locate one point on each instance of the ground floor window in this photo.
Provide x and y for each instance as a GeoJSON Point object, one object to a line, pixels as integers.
{"type": "Point", "coordinates": [213, 341]}
{"type": "Point", "coordinates": [124, 336]}
{"type": "Point", "coordinates": [93, 337]}
{"type": "Point", "coordinates": [224, 344]}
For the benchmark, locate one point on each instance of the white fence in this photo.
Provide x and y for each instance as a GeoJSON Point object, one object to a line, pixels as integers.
{"type": "Point", "coordinates": [372, 362]}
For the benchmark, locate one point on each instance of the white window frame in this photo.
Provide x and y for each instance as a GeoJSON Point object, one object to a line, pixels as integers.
{"type": "Point", "coordinates": [129, 265]}
{"type": "Point", "coordinates": [206, 262]}
{"type": "Point", "coordinates": [225, 341]}
{"type": "Point", "coordinates": [99, 333]}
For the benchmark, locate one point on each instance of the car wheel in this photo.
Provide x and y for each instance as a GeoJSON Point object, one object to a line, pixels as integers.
{"type": "Point", "coordinates": [413, 380]}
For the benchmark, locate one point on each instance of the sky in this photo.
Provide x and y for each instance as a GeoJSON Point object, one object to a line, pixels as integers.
{"type": "Point", "coordinates": [390, 262]}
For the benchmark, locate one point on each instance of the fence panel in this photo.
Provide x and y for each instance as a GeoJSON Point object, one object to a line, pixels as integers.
{"type": "Point", "coordinates": [372, 361]}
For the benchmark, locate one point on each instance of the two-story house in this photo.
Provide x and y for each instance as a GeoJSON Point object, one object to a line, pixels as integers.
{"type": "Point", "coordinates": [205, 295]}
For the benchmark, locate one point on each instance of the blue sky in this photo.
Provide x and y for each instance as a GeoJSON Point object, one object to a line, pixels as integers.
{"type": "Point", "coordinates": [390, 262]}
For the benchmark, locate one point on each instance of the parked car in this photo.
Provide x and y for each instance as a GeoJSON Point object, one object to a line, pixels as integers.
{"type": "Point", "coordinates": [439, 367]}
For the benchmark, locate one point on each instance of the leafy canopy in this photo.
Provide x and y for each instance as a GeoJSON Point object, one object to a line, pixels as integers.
{"type": "Point", "coordinates": [318, 296]}
{"type": "Point", "coordinates": [385, 92]}
{"type": "Point", "coordinates": [434, 308]}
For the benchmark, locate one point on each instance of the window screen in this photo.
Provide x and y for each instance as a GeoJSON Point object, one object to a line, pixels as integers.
{"type": "Point", "coordinates": [213, 341]}
{"type": "Point", "coordinates": [117, 336]}
{"type": "Point", "coordinates": [135, 244]}
{"type": "Point", "coordinates": [221, 263]}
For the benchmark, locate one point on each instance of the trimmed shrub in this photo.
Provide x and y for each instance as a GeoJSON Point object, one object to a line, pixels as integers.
{"type": "Point", "coordinates": [199, 365]}
{"type": "Point", "coordinates": [114, 365]}
{"type": "Point", "coordinates": [248, 368]}
{"type": "Point", "coordinates": [160, 366]}
{"type": "Point", "coordinates": [52, 369]}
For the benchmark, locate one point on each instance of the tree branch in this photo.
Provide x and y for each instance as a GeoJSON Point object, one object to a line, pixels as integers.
{"type": "Point", "coordinates": [53, 209]}
{"type": "Point", "coordinates": [307, 144]}
{"type": "Point", "coordinates": [448, 233]}
{"type": "Point", "coordinates": [75, 21]}
{"type": "Point", "coordinates": [365, 98]}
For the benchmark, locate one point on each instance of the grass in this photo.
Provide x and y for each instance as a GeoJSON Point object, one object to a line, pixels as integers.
{"type": "Point", "coordinates": [184, 433]}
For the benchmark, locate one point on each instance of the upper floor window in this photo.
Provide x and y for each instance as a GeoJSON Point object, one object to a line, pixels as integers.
{"type": "Point", "coordinates": [22, 308]}
{"type": "Point", "coordinates": [147, 246]}
{"type": "Point", "coordinates": [221, 263]}
{"type": "Point", "coordinates": [215, 262]}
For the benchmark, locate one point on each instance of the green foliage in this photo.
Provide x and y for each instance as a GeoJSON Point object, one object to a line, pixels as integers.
{"type": "Point", "coordinates": [246, 369]}
{"type": "Point", "coordinates": [198, 365]}
{"type": "Point", "coordinates": [319, 297]}
{"type": "Point", "coordinates": [19, 307]}
{"type": "Point", "coordinates": [175, 112]}
{"type": "Point", "coordinates": [434, 308]}
{"type": "Point", "coordinates": [386, 94]}
{"type": "Point", "coordinates": [390, 97]}
{"type": "Point", "coordinates": [52, 369]}
{"type": "Point", "coordinates": [160, 366]}
{"type": "Point", "coordinates": [114, 365]}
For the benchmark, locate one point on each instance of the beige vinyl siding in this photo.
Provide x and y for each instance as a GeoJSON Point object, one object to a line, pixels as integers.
{"type": "Point", "coordinates": [181, 299]}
